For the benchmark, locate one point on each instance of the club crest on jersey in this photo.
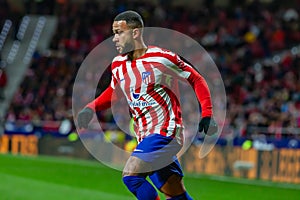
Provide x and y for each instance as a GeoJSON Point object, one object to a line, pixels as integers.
{"type": "Point", "coordinates": [146, 78]}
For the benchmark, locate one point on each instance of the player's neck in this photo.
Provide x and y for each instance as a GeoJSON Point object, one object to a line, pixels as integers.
{"type": "Point", "coordinates": [139, 51]}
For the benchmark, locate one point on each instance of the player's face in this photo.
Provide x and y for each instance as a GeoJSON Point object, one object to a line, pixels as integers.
{"type": "Point", "coordinates": [122, 36]}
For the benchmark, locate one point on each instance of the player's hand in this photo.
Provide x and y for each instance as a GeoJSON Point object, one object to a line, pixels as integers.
{"type": "Point", "coordinates": [84, 117]}
{"type": "Point", "coordinates": [208, 125]}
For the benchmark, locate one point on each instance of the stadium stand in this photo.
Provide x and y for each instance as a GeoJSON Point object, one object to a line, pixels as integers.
{"type": "Point", "coordinates": [257, 54]}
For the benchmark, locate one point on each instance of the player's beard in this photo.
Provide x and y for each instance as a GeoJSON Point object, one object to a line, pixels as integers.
{"type": "Point", "coordinates": [128, 48]}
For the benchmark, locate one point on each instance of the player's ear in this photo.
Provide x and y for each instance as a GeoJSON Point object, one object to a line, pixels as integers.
{"type": "Point", "coordinates": [136, 33]}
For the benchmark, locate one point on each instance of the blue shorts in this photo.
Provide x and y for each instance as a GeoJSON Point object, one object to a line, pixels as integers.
{"type": "Point", "coordinates": [160, 152]}
{"type": "Point", "coordinates": [155, 147]}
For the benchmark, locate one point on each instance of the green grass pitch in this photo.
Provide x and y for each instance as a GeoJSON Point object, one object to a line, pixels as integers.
{"type": "Point", "coordinates": [57, 178]}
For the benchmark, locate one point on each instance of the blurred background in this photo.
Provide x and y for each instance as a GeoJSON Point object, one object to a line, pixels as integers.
{"type": "Point", "coordinates": [255, 45]}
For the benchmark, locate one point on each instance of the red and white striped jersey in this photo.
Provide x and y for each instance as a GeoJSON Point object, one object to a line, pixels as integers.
{"type": "Point", "coordinates": [150, 85]}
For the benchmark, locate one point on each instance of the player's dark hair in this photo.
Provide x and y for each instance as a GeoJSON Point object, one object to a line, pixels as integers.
{"type": "Point", "coordinates": [132, 18]}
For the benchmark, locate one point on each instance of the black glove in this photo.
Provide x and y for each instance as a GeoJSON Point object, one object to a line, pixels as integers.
{"type": "Point", "coordinates": [84, 117]}
{"type": "Point", "coordinates": [209, 126]}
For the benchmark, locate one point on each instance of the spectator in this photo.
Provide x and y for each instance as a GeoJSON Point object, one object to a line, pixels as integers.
{"type": "Point", "coordinates": [3, 80]}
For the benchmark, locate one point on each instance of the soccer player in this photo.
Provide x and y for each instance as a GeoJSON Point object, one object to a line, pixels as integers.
{"type": "Point", "coordinates": [147, 76]}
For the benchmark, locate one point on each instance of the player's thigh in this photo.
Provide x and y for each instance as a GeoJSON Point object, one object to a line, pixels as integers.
{"type": "Point", "coordinates": [173, 186]}
{"type": "Point", "coordinates": [136, 167]}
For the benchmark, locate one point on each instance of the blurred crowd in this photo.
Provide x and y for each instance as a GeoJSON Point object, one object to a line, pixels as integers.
{"type": "Point", "coordinates": [3, 81]}
{"type": "Point", "coordinates": [263, 90]}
